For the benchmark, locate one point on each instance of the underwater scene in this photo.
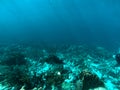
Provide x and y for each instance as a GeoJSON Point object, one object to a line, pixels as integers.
{"type": "Point", "coordinates": [59, 45]}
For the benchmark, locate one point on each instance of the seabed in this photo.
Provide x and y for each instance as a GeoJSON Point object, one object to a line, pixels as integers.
{"type": "Point", "coordinates": [68, 67]}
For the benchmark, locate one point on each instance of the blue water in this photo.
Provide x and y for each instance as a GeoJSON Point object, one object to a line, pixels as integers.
{"type": "Point", "coordinates": [94, 22]}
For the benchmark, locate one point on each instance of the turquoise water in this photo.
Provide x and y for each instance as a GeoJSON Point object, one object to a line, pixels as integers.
{"type": "Point", "coordinates": [60, 21]}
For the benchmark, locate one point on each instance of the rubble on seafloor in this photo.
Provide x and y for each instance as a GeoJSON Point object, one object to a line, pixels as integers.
{"type": "Point", "coordinates": [70, 67]}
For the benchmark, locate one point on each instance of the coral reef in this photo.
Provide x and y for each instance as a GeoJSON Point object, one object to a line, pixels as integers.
{"type": "Point", "coordinates": [18, 76]}
{"type": "Point", "coordinates": [13, 58]}
{"type": "Point", "coordinates": [53, 59]}
{"type": "Point", "coordinates": [70, 67]}
{"type": "Point", "coordinates": [90, 81]}
{"type": "Point", "coordinates": [117, 58]}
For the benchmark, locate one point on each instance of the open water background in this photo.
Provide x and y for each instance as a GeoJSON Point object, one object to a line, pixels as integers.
{"type": "Point", "coordinates": [92, 22]}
